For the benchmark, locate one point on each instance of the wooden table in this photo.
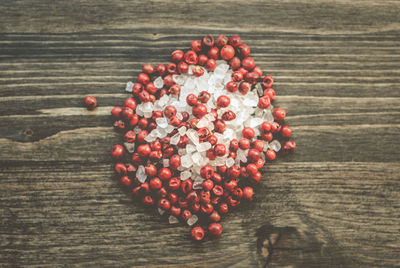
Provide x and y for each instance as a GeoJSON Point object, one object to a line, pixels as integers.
{"type": "Point", "coordinates": [334, 203]}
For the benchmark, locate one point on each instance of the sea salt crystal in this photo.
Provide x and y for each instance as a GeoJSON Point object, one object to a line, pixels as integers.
{"type": "Point", "coordinates": [268, 116]}
{"type": "Point", "coordinates": [197, 183]}
{"type": "Point", "coordinates": [259, 89]}
{"type": "Point", "coordinates": [162, 122]}
{"type": "Point", "coordinates": [204, 146]}
{"type": "Point", "coordinates": [161, 211]}
{"type": "Point", "coordinates": [185, 175]}
{"type": "Point", "coordinates": [186, 161]}
{"type": "Point", "coordinates": [275, 145]}
{"type": "Point", "coordinates": [130, 147]}
{"type": "Point", "coordinates": [128, 87]}
{"type": "Point", "coordinates": [179, 116]}
{"type": "Point", "coordinates": [175, 139]}
{"type": "Point", "coordinates": [203, 122]}
{"type": "Point", "coordinates": [192, 220]}
{"type": "Point", "coordinates": [169, 128]}
{"type": "Point", "coordinates": [196, 157]}
{"type": "Point", "coordinates": [230, 162]}
{"type": "Point", "coordinates": [255, 122]}
{"type": "Point", "coordinates": [193, 136]}
{"type": "Point", "coordinates": [241, 155]}
{"type": "Point", "coordinates": [166, 162]}
{"type": "Point", "coordinates": [190, 148]}
{"type": "Point", "coordinates": [150, 138]}
{"type": "Point", "coordinates": [163, 100]}
{"type": "Point", "coordinates": [140, 174]}
{"type": "Point", "coordinates": [179, 79]}
{"type": "Point", "coordinates": [182, 151]}
{"type": "Point", "coordinates": [173, 220]}
{"type": "Point", "coordinates": [182, 130]}
{"type": "Point", "coordinates": [158, 82]}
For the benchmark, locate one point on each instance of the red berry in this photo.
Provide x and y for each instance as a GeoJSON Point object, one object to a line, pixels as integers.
{"type": "Point", "coordinates": [207, 185]}
{"type": "Point", "coordinates": [248, 63]}
{"type": "Point", "coordinates": [286, 131]}
{"type": "Point", "coordinates": [143, 78]}
{"type": "Point", "coordinates": [235, 63]}
{"type": "Point", "coordinates": [143, 150]}
{"type": "Point", "coordinates": [197, 233]}
{"type": "Point", "coordinates": [234, 145]}
{"type": "Point", "coordinates": [213, 53]}
{"type": "Point", "coordinates": [253, 155]}
{"type": "Point", "coordinates": [177, 55]}
{"type": "Point", "coordinates": [248, 133]}
{"type": "Point", "coordinates": [219, 126]}
{"type": "Point", "coordinates": [264, 102]}
{"type": "Point", "coordinates": [191, 57]}
{"type": "Point", "coordinates": [182, 67]}
{"type": "Point", "coordinates": [207, 41]}
{"type": "Point", "coordinates": [117, 151]}
{"type": "Point", "coordinates": [265, 127]}
{"type": "Point", "coordinates": [174, 183]}
{"type": "Point", "coordinates": [218, 190]}
{"type": "Point", "coordinates": [279, 114]}
{"type": "Point", "coordinates": [243, 50]}
{"type": "Point", "coordinates": [195, 45]}
{"type": "Point", "coordinates": [235, 41]}
{"type": "Point", "coordinates": [150, 170]}
{"type": "Point", "coordinates": [116, 111]}
{"type": "Point", "coordinates": [198, 71]}
{"type": "Point", "coordinates": [164, 204]}
{"type": "Point", "coordinates": [199, 110]}
{"type": "Point", "coordinates": [258, 145]}
{"type": "Point", "coordinates": [270, 154]}
{"type": "Point", "coordinates": [175, 161]}
{"type": "Point", "coordinates": [223, 208]}
{"type": "Point", "coordinates": [171, 68]}
{"type": "Point", "coordinates": [244, 144]}
{"type": "Point", "coordinates": [169, 111]}
{"type": "Point", "coordinates": [220, 150]}
{"type": "Point", "coordinates": [207, 172]}
{"type": "Point", "coordinates": [161, 69]}
{"type": "Point", "coordinates": [130, 136]}
{"type": "Point", "coordinates": [211, 64]}
{"type": "Point", "coordinates": [251, 169]}
{"type": "Point", "coordinates": [203, 59]}
{"type": "Point", "coordinates": [222, 40]}
{"type": "Point", "coordinates": [90, 102]}
{"type": "Point", "coordinates": [120, 168]}
{"type": "Point", "coordinates": [270, 92]}
{"type": "Point", "coordinates": [223, 101]}
{"type": "Point", "coordinates": [155, 183]}
{"type": "Point", "coordinates": [267, 81]}
{"type": "Point", "coordinates": [232, 86]}
{"type": "Point", "coordinates": [248, 193]}
{"type": "Point", "coordinates": [215, 229]}
{"type": "Point", "coordinates": [227, 52]}
{"type": "Point", "coordinates": [148, 68]}
{"type": "Point", "coordinates": [164, 173]}
{"type": "Point", "coordinates": [125, 180]}
{"type": "Point", "coordinates": [214, 216]}
{"type": "Point", "coordinates": [148, 200]}
{"type": "Point", "coordinates": [244, 87]}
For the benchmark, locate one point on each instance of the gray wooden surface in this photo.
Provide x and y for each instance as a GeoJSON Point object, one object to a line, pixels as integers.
{"type": "Point", "coordinates": [334, 203]}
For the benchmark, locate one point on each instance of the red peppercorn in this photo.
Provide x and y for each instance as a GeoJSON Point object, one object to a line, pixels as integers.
{"type": "Point", "coordinates": [144, 96]}
{"type": "Point", "coordinates": [248, 63]}
{"type": "Point", "coordinates": [164, 204]}
{"type": "Point", "coordinates": [168, 81]}
{"type": "Point", "coordinates": [214, 216]}
{"type": "Point", "coordinates": [117, 151]}
{"type": "Point", "coordinates": [275, 127]}
{"type": "Point", "coordinates": [213, 53]}
{"type": "Point", "coordinates": [243, 50]}
{"type": "Point", "coordinates": [288, 146]}
{"type": "Point", "coordinates": [253, 155]}
{"type": "Point", "coordinates": [244, 87]}
{"type": "Point", "coordinates": [258, 71]}
{"type": "Point", "coordinates": [205, 197]}
{"type": "Point", "coordinates": [207, 172]}
{"type": "Point", "coordinates": [228, 116]}
{"type": "Point", "coordinates": [219, 126]}
{"type": "Point", "coordinates": [207, 185]}
{"type": "Point", "coordinates": [177, 55]}
{"type": "Point", "coordinates": [232, 86]}
{"type": "Point", "coordinates": [223, 208]}
{"type": "Point", "coordinates": [171, 68]}
{"type": "Point", "coordinates": [270, 92]}
{"type": "Point", "coordinates": [144, 150]}
{"type": "Point", "coordinates": [212, 139]}
{"type": "Point", "coordinates": [198, 71]}
{"type": "Point", "coordinates": [182, 67]}
{"type": "Point", "coordinates": [216, 177]}
{"type": "Point", "coordinates": [175, 161]}
{"type": "Point", "coordinates": [251, 77]}
{"type": "Point", "coordinates": [186, 214]}
{"type": "Point", "coordinates": [195, 45]}
{"type": "Point", "coordinates": [233, 172]}
{"type": "Point", "coordinates": [134, 120]}
{"type": "Point", "coordinates": [230, 185]}
{"type": "Point", "coordinates": [204, 96]}
{"type": "Point", "coordinates": [207, 208]}
{"type": "Point", "coordinates": [148, 200]}
{"type": "Point", "coordinates": [143, 123]}
{"type": "Point", "coordinates": [267, 81]}
{"type": "Point", "coordinates": [126, 180]}
{"type": "Point", "coordinates": [90, 102]}
{"type": "Point", "coordinates": [244, 144]}
{"type": "Point", "coordinates": [174, 183]}
{"type": "Point", "coordinates": [227, 52]}
{"type": "Point", "coordinates": [186, 186]}
{"type": "Point", "coordinates": [207, 41]}
{"type": "Point", "coordinates": [164, 173]}
{"type": "Point", "coordinates": [175, 211]}
{"type": "Point", "coordinates": [191, 57]}
{"type": "Point", "coordinates": [248, 193]}
{"type": "Point", "coordinates": [161, 69]}
{"type": "Point", "coordinates": [215, 229]}
{"type": "Point", "coordinates": [223, 101]}
{"type": "Point", "coordinates": [237, 76]}
{"type": "Point", "coordinates": [143, 78]}
{"type": "Point", "coordinates": [279, 114]}
{"type": "Point", "coordinates": [116, 111]}
{"type": "Point", "coordinates": [148, 68]}
{"type": "Point", "coordinates": [197, 233]}
{"type": "Point", "coordinates": [286, 131]}
{"type": "Point", "coordinates": [218, 190]}
{"type": "Point", "coordinates": [235, 41]}
{"type": "Point", "coordinates": [252, 169]}
{"type": "Point", "coordinates": [248, 133]}
{"type": "Point", "coordinates": [256, 178]}
{"type": "Point", "coordinates": [211, 64]}
{"type": "Point", "coordinates": [270, 154]}
{"type": "Point", "coordinates": [265, 127]}
{"type": "Point", "coordinates": [150, 170]}
{"type": "Point", "coordinates": [235, 63]}
{"type": "Point", "coordinates": [155, 183]}
{"type": "Point", "coordinates": [222, 40]}
{"type": "Point", "coordinates": [258, 145]}
{"type": "Point", "coordinates": [264, 102]}
{"type": "Point", "coordinates": [202, 59]}
{"type": "Point", "coordinates": [169, 111]}
{"type": "Point", "coordinates": [120, 168]}
{"type": "Point", "coordinates": [136, 159]}
{"type": "Point", "coordinates": [141, 136]}
{"type": "Point", "coordinates": [234, 145]}
{"type": "Point", "coordinates": [127, 113]}
{"type": "Point", "coordinates": [199, 110]}
{"type": "Point", "coordinates": [220, 150]}
{"type": "Point", "coordinates": [195, 207]}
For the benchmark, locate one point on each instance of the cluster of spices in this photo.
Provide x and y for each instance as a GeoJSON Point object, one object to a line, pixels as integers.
{"type": "Point", "coordinates": [197, 131]}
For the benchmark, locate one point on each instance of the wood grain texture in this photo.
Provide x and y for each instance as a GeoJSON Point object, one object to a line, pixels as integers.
{"type": "Point", "coordinates": [334, 203]}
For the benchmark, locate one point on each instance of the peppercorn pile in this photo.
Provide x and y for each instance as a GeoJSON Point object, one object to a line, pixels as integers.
{"type": "Point", "coordinates": [197, 131]}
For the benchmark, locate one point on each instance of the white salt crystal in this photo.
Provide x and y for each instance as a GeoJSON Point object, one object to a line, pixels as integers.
{"type": "Point", "coordinates": [162, 122]}
{"type": "Point", "coordinates": [241, 155]}
{"type": "Point", "coordinates": [130, 146]}
{"type": "Point", "coordinates": [193, 136]}
{"type": "Point", "coordinates": [220, 161]}
{"type": "Point", "coordinates": [173, 220]}
{"type": "Point", "coordinates": [266, 146]}
{"type": "Point", "coordinates": [158, 82]}
{"type": "Point", "coordinates": [182, 151]}
{"type": "Point", "coordinates": [185, 175]}
{"type": "Point", "coordinates": [175, 139]}
{"type": "Point", "coordinates": [275, 145]}
{"type": "Point", "coordinates": [186, 161]}
{"type": "Point", "coordinates": [140, 174]}
{"type": "Point", "coordinates": [268, 116]}
{"type": "Point", "coordinates": [169, 128]}
{"type": "Point", "coordinates": [137, 129]}
{"type": "Point", "coordinates": [197, 183]}
{"type": "Point", "coordinates": [179, 115]}
{"type": "Point", "coordinates": [161, 211]}
{"type": "Point", "coordinates": [192, 220]}
{"type": "Point", "coordinates": [255, 122]}
{"type": "Point", "coordinates": [179, 79]}
{"type": "Point", "coordinates": [251, 99]}
{"type": "Point", "coordinates": [230, 162]}
{"type": "Point", "coordinates": [163, 100]}
{"type": "Point", "coordinates": [150, 138]}
{"type": "Point", "coordinates": [166, 162]}
{"type": "Point", "coordinates": [203, 122]}
{"type": "Point", "coordinates": [128, 87]}
{"type": "Point", "coordinates": [259, 89]}
{"type": "Point", "coordinates": [196, 157]}
{"type": "Point", "coordinates": [190, 148]}
{"type": "Point", "coordinates": [182, 130]}
{"type": "Point", "coordinates": [204, 146]}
